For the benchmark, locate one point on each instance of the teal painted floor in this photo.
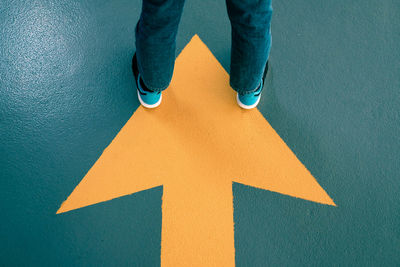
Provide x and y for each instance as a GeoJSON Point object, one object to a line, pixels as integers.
{"type": "Point", "coordinates": [333, 96]}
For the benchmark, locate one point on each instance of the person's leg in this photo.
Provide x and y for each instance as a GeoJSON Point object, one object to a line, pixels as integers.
{"type": "Point", "coordinates": [155, 34]}
{"type": "Point", "coordinates": [251, 42]}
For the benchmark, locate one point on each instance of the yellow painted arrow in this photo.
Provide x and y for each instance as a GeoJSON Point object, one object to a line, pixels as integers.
{"type": "Point", "coordinates": [195, 144]}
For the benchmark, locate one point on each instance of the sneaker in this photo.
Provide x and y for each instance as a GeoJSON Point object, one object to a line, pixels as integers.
{"type": "Point", "coordinates": [147, 97]}
{"type": "Point", "coordinates": [251, 100]}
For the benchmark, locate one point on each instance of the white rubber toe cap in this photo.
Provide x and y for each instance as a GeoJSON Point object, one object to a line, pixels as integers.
{"type": "Point", "coordinates": [247, 106]}
{"type": "Point", "coordinates": [147, 105]}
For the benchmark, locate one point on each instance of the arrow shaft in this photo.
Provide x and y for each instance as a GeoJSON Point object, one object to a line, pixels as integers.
{"type": "Point", "coordinates": [197, 226]}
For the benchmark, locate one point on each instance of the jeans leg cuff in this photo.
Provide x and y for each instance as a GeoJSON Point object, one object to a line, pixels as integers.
{"type": "Point", "coordinates": [244, 91]}
{"type": "Point", "coordinates": [154, 89]}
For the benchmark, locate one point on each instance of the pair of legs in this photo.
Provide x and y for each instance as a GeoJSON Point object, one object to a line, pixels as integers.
{"type": "Point", "coordinates": [251, 42]}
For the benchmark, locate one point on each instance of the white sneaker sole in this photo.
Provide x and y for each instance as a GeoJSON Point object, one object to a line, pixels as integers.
{"type": "Point", "coordinates": [247, 106]}
{"type": "Point", "coordinates": [147, 105]}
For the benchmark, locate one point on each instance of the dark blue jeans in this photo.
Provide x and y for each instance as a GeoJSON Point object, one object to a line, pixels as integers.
{"type": "Point", "coordinates": [251, 41]}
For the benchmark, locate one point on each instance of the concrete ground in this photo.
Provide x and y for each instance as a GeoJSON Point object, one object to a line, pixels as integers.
{"type": "Point", "coordinates": [332, 95]}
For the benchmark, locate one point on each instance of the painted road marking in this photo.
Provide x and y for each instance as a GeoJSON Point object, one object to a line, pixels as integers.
{"type": "Point", "coordinates": [195, 144]}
